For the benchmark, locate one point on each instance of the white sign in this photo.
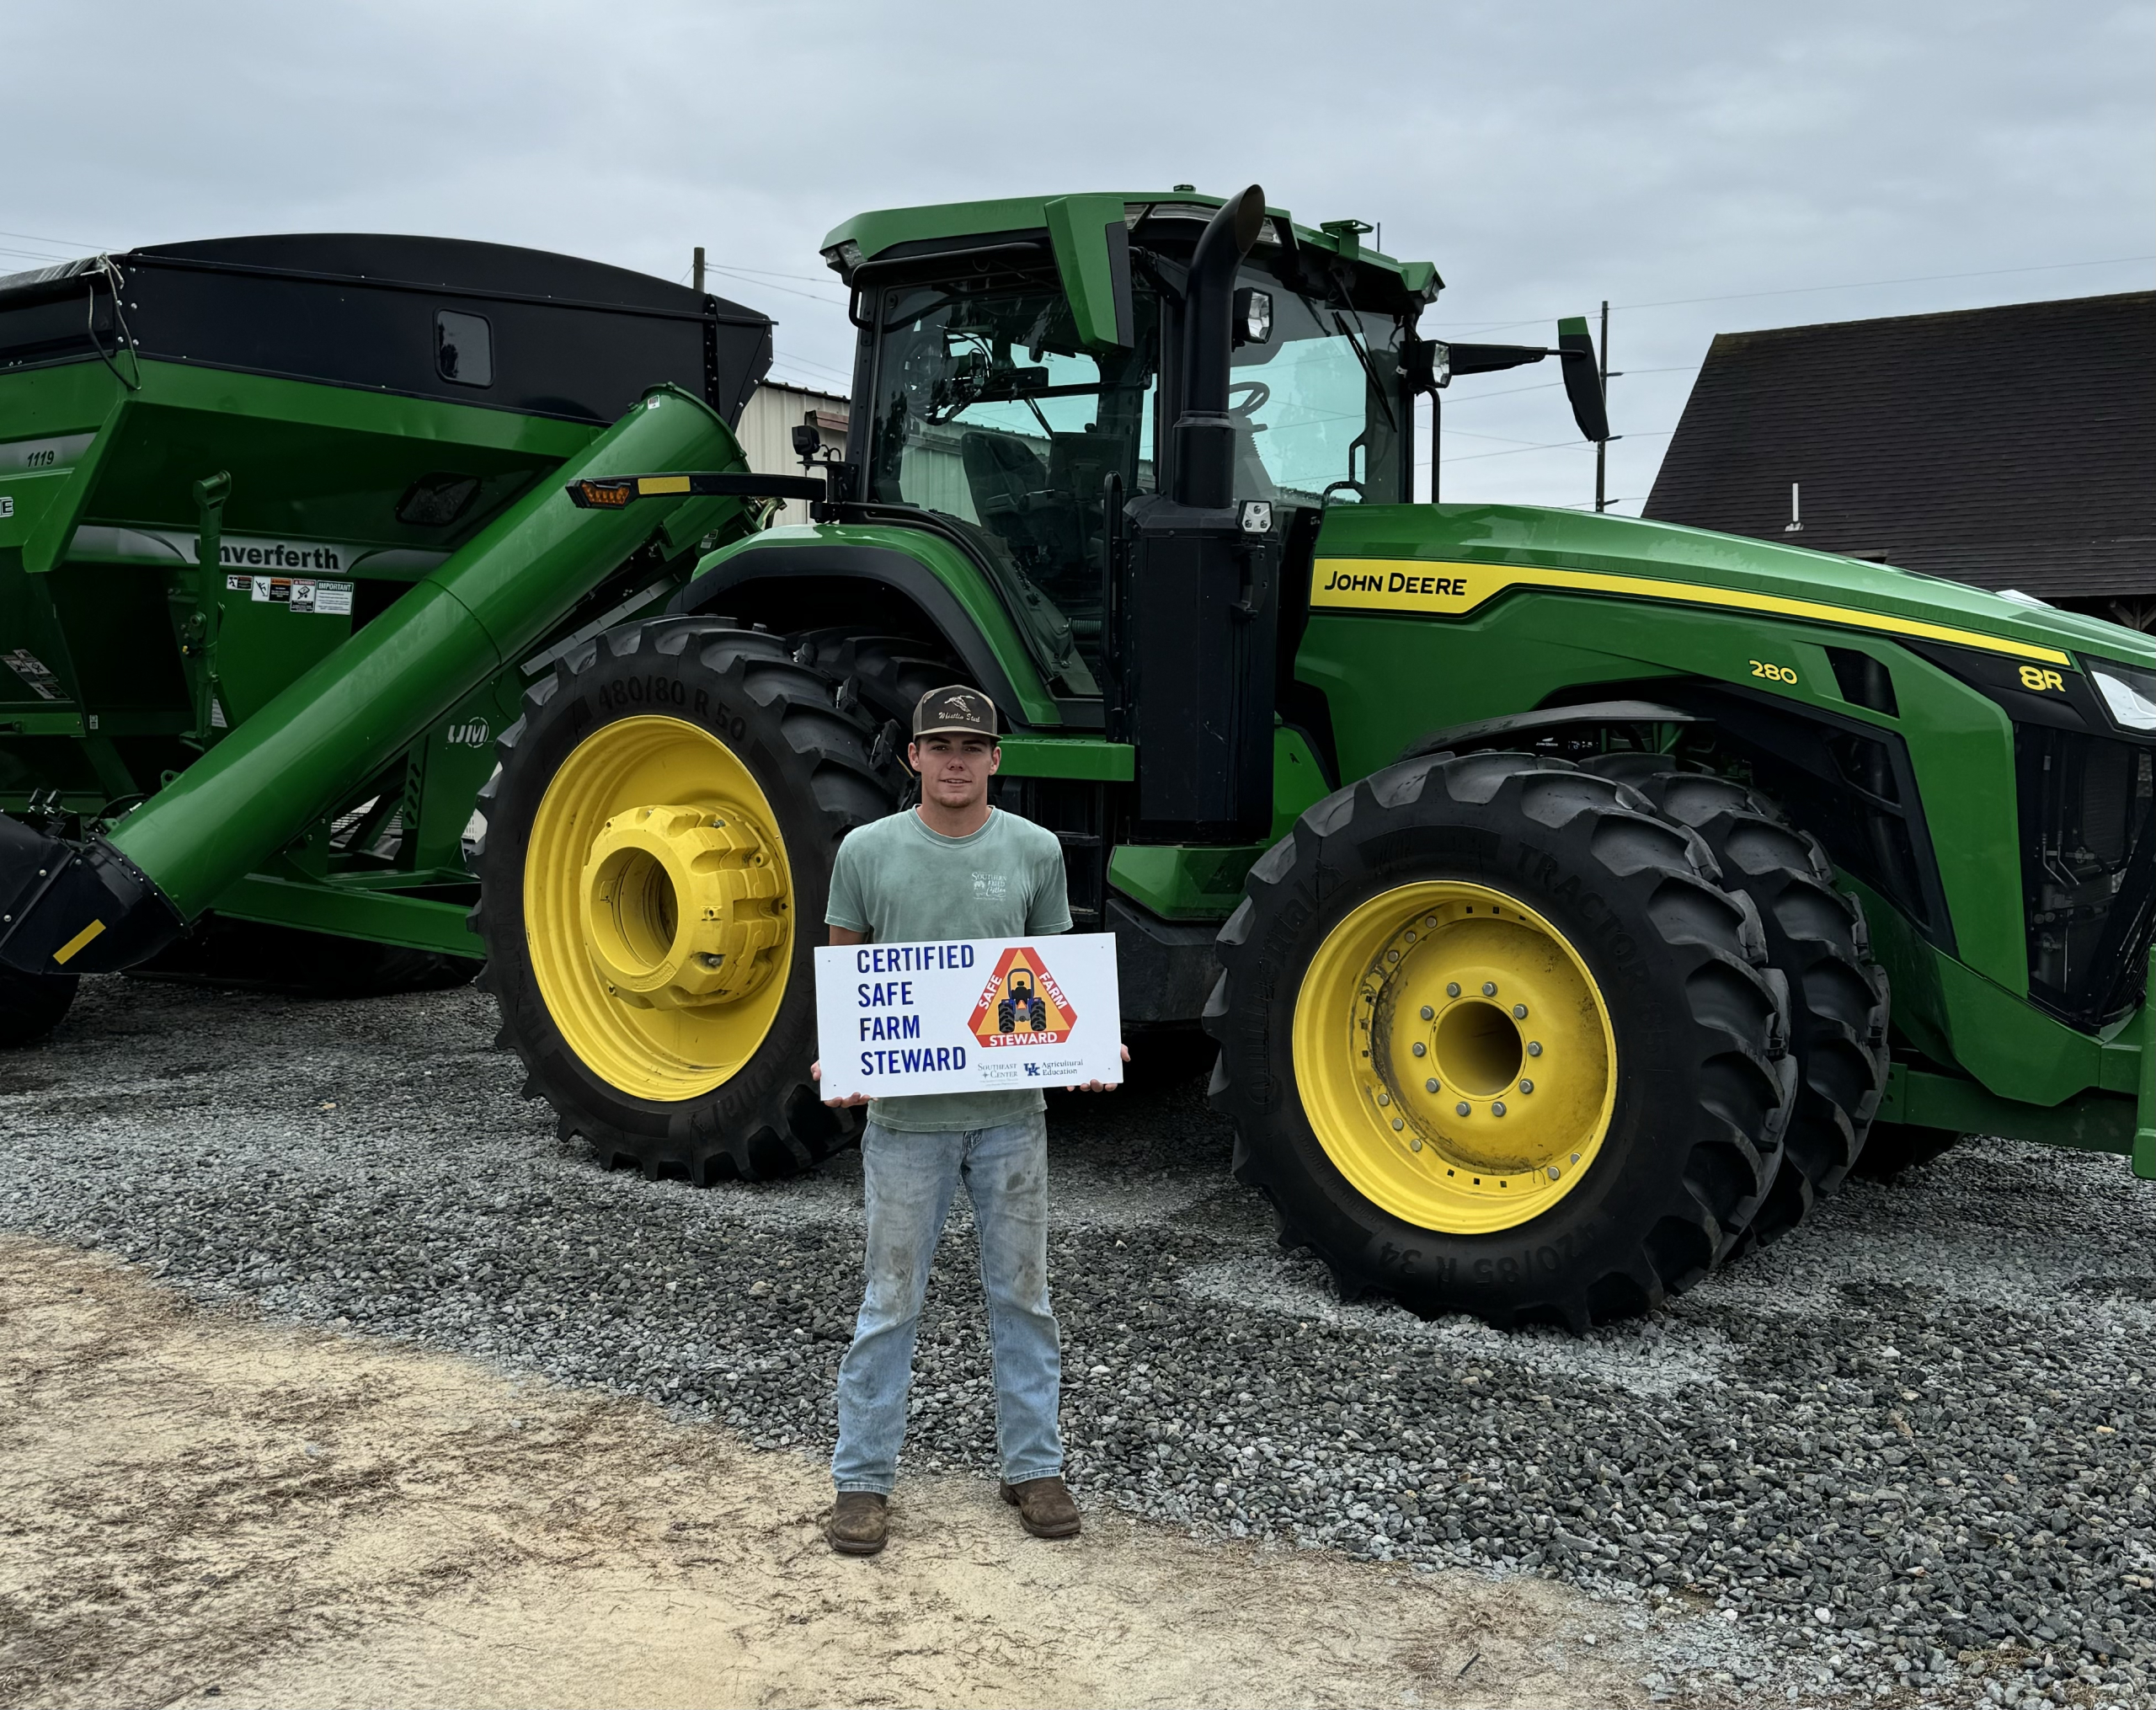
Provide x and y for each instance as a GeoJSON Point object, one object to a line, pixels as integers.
{"type": "Point", "coordinates": [974, 1015]}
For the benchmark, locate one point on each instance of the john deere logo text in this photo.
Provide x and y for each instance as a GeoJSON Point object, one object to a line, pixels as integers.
{"type": "Point", "coordinates": [1342, 580]}
{"type": "Point", "coordinates": [1021, 1004]}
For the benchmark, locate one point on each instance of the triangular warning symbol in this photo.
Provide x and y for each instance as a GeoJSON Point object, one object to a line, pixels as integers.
{"type": "Point", "coordinates": [1021, 1004]}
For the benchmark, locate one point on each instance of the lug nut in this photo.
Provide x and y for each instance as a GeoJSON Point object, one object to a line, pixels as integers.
{"type": "Point", "coordinates": [1519, 1012]}
{"type": "Point", "coordinates": [1414, 1146]}
{"type": "Point", "coordinates": [1497, 1108]}
{"type": "Point", "coordinates": [1397, 1124]}
{"type": "Point", "coordinates": [1527, 1086]}
{"type": "Point", "coordinates": [1428, 1013]}
{"type": "Point", "coordinates": [1489, 988]}
{"type": "Point", "coordinates": [1430, 1085]}
{"type": "Point", "coordinates": [1385, 1098]}
{"type": "Point", "coordinates": [1452, 988]}
{"type": "Point", "coordinates": [1554, 1173]}
{"type": "Point", "coordinates": [1464, 1108]}
{"type": "Point", "coordinates": [1419, 1049]}
{"type": "Point", "coordinates": [1535, 1047]}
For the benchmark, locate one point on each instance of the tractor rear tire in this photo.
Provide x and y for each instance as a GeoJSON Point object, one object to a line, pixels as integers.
{"type": "Point", "coordinates": [890, 672]}
{"type": "Point", "coordinates": [1609, 1037]}
{"type": "Point", "coordinates": [1817, 936]}
{"type": "Point", "coordinates": [32, 1005]}
{"type": "Point", "coordinates": [674, 1030]}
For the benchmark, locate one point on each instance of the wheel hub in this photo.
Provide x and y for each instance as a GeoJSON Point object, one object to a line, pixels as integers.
{"type": "Point", "coordinates": [658, 902]}
{"type": "Point", "coordinates": [1480, 1047]}
{"type": "Point", "coordinates": [676, 907]}
{"type": "Point", "coordinates": [1472, 1083]}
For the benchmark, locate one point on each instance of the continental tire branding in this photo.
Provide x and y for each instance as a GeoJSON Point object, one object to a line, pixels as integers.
{"type": "Point", "coordinates": [1540, 869]}
{"type": "Point", "coordinates": [1701, 1082]}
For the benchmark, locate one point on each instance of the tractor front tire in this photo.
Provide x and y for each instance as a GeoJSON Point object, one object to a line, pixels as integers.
{"type": "Point", "coordinates": [31, 1005]}
{"type": "Point", "coordinates": [657, 862]}
{"type": "Point", "coordinates": [1817, 936]}
{"type": "Point", "coordinates": [1494, 1041]}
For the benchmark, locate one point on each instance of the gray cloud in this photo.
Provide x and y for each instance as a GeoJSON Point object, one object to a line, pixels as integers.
{"type": "Point", "coordinates": [1546, 156]}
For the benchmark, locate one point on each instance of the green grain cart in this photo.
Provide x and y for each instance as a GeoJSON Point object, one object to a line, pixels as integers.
{"type": "Point", "coordinates": [1541, 876]}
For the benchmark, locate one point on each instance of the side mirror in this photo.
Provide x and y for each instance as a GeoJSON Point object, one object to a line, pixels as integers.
{"type": "Point", "coordinates": [1582, 380]}
{"type": "Point", "coordinates": [1252, 321]}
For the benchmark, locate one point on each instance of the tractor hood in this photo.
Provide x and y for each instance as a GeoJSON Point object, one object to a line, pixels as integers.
{"type": "Point", "coordinates": [1491, 549]}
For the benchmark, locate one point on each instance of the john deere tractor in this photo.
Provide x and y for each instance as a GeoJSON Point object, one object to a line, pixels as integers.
{"type": "Point", "coordinates": [1540, 878]}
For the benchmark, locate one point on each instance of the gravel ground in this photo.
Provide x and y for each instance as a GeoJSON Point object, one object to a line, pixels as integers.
{"type": "Point", "coordinates": [1904, 1456]}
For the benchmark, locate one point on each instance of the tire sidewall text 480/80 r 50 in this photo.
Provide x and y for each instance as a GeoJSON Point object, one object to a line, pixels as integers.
{"type": "Point", "coordinates": [1703, 1083]}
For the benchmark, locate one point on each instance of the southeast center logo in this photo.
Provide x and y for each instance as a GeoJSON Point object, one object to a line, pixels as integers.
{"type": "Point", "coordinates": [1021, 1004]}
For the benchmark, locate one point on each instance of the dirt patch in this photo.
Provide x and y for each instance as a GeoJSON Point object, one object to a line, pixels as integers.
{"type": "Point", "coordinates": [197, 1507]}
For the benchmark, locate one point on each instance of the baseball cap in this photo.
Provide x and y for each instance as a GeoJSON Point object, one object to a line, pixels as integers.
{"type": "Point", "coordinates": [954, 711]}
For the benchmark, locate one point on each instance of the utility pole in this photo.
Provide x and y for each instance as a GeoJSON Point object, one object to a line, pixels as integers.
{"type": "Point", "coordinates": [696, 283]}
{"type": "Point", "coordinates": [1602, 447]}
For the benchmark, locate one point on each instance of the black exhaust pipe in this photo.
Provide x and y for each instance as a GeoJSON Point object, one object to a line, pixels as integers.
{"type": "Point", "coordinates": [1205, 437]}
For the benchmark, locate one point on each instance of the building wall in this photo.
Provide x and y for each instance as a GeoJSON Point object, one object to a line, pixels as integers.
{"type": "Point", "coordinates": [766, 433]}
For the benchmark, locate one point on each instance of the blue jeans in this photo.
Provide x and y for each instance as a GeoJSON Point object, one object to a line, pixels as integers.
{"type": "Point", "coordinates": [910, 1182]}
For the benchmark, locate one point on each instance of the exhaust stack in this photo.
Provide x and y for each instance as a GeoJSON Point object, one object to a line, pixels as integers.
{"type": "Point", "coordinates": [1205, 437]}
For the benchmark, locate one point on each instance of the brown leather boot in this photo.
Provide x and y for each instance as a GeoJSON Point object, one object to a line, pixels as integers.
{"type": "Point", "coordinates": [1044, 1507]}
{"type": "Point", "coordinates": [859, 1522]}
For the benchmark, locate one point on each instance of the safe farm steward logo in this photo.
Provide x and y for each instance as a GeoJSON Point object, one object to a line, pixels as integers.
{"type": "Point", "coordinates": [1021, 1004]}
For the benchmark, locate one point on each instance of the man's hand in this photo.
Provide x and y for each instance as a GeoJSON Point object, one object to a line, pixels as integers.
{"type": "Point", "coordinates": [816, 1073]}
{"type": "Point", "coordinates": [1101, 1086]}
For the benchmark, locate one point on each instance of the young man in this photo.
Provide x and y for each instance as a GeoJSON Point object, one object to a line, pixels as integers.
{"type": "Point", "coordinates": [953, 867]}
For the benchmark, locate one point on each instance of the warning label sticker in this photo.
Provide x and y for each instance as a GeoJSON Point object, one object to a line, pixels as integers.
{"type": "Point", "coordinates": [333, 598]}
{"type": "Point", "coordinates": [33, 670]}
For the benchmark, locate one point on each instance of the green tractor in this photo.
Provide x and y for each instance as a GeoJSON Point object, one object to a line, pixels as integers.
{"type": "Point", "coordinates": [1540, 877]}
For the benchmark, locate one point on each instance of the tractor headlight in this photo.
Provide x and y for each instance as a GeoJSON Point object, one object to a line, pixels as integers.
{"type": "Point", "coordinates": [2129, 694]}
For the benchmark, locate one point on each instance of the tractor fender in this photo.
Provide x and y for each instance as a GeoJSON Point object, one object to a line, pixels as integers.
{"type": "Point", "coordinates": [780, 567]}
{"type": "Point", "coordinates": [1485, 732]}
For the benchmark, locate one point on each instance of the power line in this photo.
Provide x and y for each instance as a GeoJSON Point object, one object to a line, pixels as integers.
{"type": "Point", "coordinates": [766, 273]}
{"type": "Point", "coordinates": [736, 273]}
{"type": "Point", "coordinates": [64, 243]}
{"type": "Point", "coordinates": [1552, 445]}
{"type": "Point", "coordinates": [1802, 290]}
{"type": "Point", "coordinates": [806, 362]}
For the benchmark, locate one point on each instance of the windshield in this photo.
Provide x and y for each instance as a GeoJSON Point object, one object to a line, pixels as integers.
{"type": "Point", "coordinates": [1317, 405]}
{"type": "Point", "coordinates": [990, 410]}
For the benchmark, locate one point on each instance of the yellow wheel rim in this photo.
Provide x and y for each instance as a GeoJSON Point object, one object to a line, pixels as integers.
{"type": "Point", "coordinates": [657, 908]}
{"type": "Point", "coordinates": [1455, 1057]}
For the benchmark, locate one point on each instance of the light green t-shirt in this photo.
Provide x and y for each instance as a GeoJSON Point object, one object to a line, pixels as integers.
{"type": "Point", "coordinates": [901, 883]}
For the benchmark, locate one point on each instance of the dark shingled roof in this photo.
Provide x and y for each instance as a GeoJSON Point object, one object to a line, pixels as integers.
{"type": "Point", "coordinates": [2009, 447]}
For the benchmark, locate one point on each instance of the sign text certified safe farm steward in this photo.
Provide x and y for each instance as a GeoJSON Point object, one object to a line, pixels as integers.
{"type": "Point", "coordinates": [971, 1015]}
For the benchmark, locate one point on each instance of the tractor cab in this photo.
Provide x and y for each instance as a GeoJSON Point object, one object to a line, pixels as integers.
{"type": "Point", "coordinates": [1003, 399]}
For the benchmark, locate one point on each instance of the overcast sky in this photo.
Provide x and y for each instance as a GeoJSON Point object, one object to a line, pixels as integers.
{"type": "Point", "coordinates": [1546, 156]}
